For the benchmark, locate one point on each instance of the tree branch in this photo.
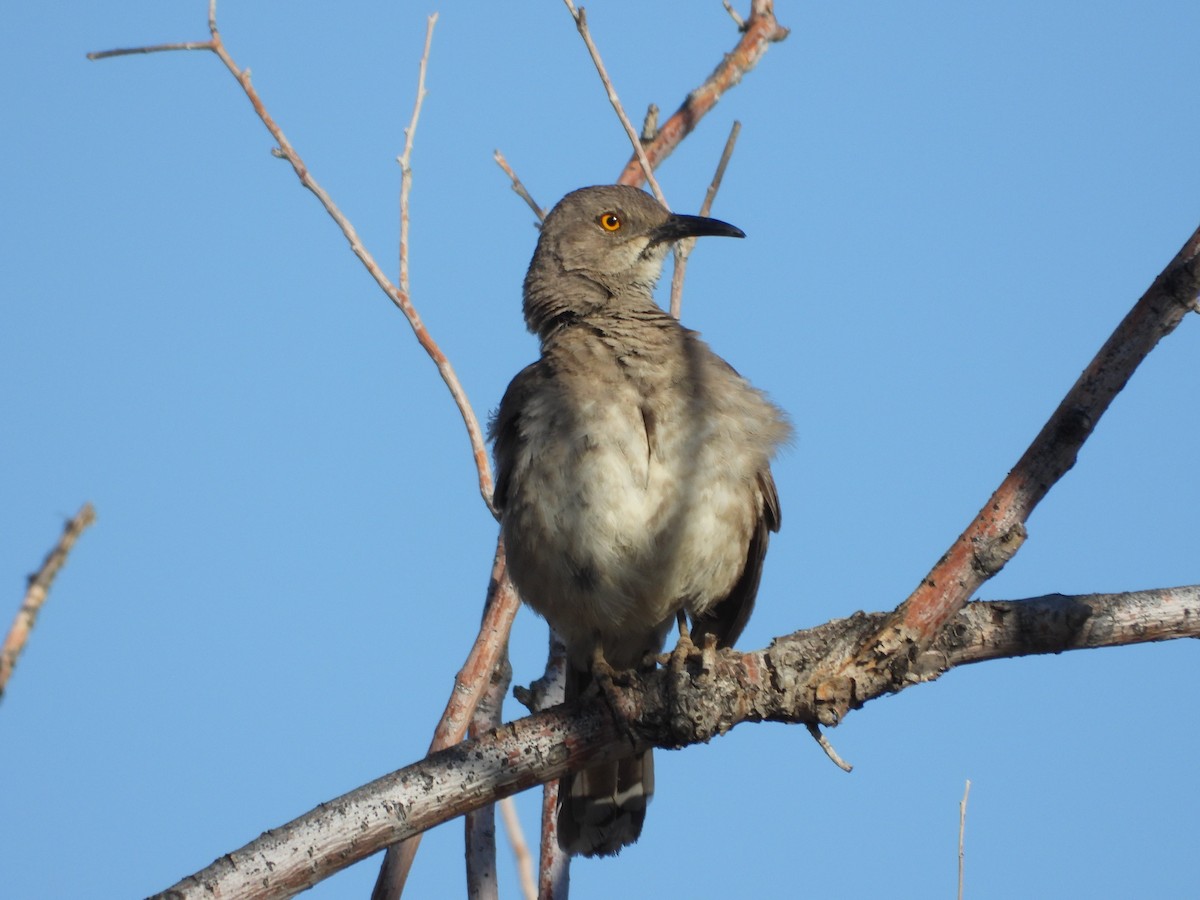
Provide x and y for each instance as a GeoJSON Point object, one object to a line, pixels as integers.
{"type": "Point", "coordinates": [710, 695]}
{"type": "Point", "coordinates": [470, 684]}
{"type": "Point", "coordinates": [757, 34]}
{"type": "Point", "coordinates": [639, 153]}
{"type": "Point", "coordinates": [998, 530]}
{"type": "Point", "coordinates": [38, 590]}
{"type": "Point", "coordinates": [518, 187]}
{"type": "Point", "coordinates": [683, 249]}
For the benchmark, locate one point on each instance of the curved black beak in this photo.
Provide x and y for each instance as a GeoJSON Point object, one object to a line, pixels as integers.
{"type": "Point", "coordinates": [678, 227]}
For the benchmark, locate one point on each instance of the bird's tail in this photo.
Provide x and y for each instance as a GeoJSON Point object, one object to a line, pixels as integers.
{"type": "Point", "coordinates": [602, 809]}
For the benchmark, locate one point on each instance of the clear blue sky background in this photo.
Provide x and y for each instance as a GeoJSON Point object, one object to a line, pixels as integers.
{"type": "Point", "coordinates": [948, 210]}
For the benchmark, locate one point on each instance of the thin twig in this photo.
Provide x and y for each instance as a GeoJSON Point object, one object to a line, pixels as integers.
{"type": "Point", "coordinates": [156, 48]}
{"type": "Point", "coordinates": [580, 18]}
{"type": "Point", "coordinates": [824, 744]}
{"type": "Point", "coordinates": [520, 848]}
{"type": "Point", "coordinates": [650, 124]}
{"type": "Point", "coordinates": [733, 14]}
{"type": "Point", "coordinates": [38, 590]}
{"type": "Point", "coordinates": [405, 158]}
{"type": "Point", "coordinates": [400, 297]}
{"type": "Point", "coordinates": [518, 186]}
{"type": "Point", "coordinates": [962, 827]}
{"type": "Point", "coordinates": [683, 249]}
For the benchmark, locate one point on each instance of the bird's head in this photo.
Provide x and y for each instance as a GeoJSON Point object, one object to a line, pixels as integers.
{"type": "Point", "coordinates": [603, 244]}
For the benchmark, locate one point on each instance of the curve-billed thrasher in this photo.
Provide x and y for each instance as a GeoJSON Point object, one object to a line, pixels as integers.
{"type": "Point", "coordinates": [633, 471]}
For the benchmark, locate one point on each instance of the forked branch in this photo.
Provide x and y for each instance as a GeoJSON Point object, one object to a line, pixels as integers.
{"type": "Point", "coordinates": [998, 530]}
{"type": "Point", "coordinates": [398, 295]}
{"type": "Point", "coordinates": [773, 684]}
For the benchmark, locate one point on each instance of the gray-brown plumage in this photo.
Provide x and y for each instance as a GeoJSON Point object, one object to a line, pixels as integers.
{"type": "Point", "coordinates": [633, 471]}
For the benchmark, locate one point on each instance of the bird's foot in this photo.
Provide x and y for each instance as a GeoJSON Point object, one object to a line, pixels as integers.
{"type": "Point", "coordinates": [688, 668]}
{"type": "Point", "coordinates": [686, 649]}
{"type": "Point", "coordinates": [611, 683]}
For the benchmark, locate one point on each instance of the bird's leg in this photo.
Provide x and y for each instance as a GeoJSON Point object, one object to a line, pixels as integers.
{"type": "Point", "coordinates": [609, 682]}
{"type": "Point", "coordinates": [677, 658]}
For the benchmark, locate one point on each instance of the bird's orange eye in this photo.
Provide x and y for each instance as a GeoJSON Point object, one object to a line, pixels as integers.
{"type": "Point", "coordinates": [610, 221]}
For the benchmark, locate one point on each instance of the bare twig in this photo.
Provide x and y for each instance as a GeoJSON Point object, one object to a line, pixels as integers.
{"type": "Point", "coordinates": [639, 152]}
{"type": "Point", "coordinates": [472, 680]}
{"type": "Point", "coordinates": [998, 530]}
{"type": "Point", "coordinates": [650, 124]}
{"type": "Point", "coordinates": [733, 14]}
{"type": "Point", "coordinates": [398, 296]}
{"type": "Point", "coordinates": [773, 684]}
{"type": "Point", "coordinates": [823, 743]}
{"type": "Point", "coordinates": [405, 158]}
{"type": "Point", "coordinates": [520, 849]}
{"type": "Point", "coordinates": [757, 34]}
{"type": "Point", "coordinates": [962, 828]}
{"type": "Point", "coordinates": [38, 590]}
{"type": "Point", "coordinates": [156, 48]}
{"type": "Point", "coordinates": [518, 186]}
{"type": "Point", "coordinates": [683, 249]}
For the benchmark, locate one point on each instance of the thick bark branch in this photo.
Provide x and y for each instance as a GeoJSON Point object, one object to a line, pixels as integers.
{"type": "Point", "coordinates": [707, 694]}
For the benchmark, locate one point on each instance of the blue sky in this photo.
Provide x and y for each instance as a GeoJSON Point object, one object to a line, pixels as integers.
{"type": "Point", "coordinates": [948, 208]}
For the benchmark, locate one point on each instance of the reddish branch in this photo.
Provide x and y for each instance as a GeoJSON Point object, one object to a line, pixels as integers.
{"type": "Point", "coordinates": [37, 592]}
{"type": "Point", "coordinates": [470, 684]}
{"type": "Point", "coordinates": [707, 696]}
{"type": "Point", "coordinates": [998, 531]}
{"type": "Point", "coordinates": [758, 33]}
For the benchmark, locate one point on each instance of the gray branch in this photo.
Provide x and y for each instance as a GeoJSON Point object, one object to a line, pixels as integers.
{"type": "Point", "coordinates": [690, 700]}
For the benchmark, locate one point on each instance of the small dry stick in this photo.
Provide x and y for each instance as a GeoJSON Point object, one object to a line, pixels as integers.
{"type": "Point", "coordinates": [733, 14]}
{"type": "Point", "coordinates": [405, 158]}
{"type": "Point", "coordinates": [518, 186]}
{"type": "Point", "coordinates": [156, 48]}
{"type": "Point", "coordinates": [581, 23]}
{"type": "Point", "coordinates": [520, 848]}
{"type": "Point", "coordinates": [37, 592]}
{"type": "Point", "coordinates": [962, 827]}
{"type": "Point", "coordinates": [828, 748]}
{"type": "Point", "coordinates": [683, 249]}
{"type": "Point", "coordinates": [650, 123]}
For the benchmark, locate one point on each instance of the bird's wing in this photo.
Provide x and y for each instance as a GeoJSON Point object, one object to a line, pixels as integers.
{"type": "Point", "coordinates": [505, 428]}
{"type": "Point", "coordinates": [728, 617]}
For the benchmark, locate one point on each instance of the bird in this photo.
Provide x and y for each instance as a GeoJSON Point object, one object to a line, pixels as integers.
{"type": "Point", "coordinates": [633, 472]}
